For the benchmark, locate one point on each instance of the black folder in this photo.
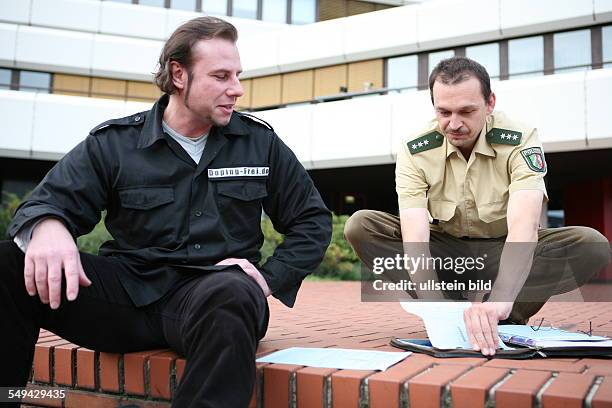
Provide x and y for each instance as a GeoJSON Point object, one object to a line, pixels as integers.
{"type": "Point", "coordinates": [521, 352]}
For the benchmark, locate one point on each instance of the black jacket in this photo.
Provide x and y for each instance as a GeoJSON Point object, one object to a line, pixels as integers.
{"type": "Point", "coordinates": [169, 216]}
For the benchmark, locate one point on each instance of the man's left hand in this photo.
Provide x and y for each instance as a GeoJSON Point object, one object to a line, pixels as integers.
{"type": "Point", "coordinates": [250, 270]}
{"type": "Point", "coordinates": [481, 323]}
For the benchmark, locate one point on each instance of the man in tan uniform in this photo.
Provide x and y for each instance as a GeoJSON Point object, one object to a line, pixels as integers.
{"type": "Point", "coordinates": [474, 175]}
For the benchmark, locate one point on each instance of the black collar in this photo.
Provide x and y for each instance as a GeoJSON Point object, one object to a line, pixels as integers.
{"type": "Point", "coordinates": [152, 130]}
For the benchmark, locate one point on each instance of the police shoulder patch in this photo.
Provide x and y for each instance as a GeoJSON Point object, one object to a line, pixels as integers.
{"type": "Point", "coordinates": [256, 120]}
{"type": "Point", "coordinates": [429, 141]}
{"type": "Point", "coordinates": [132, 120]}
{"type": "Point", "coordinates": [534, 157]}
{"type": "Point", "coordinates": [504, 136]}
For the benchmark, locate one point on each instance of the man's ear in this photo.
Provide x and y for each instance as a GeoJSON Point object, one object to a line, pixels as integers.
{"type": "Point", "coordinates": [179, 75]}
{"type": "Point", "coordinates": [491, 103]}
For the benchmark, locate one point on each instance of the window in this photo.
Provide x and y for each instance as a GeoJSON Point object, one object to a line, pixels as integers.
{"type": "Point", "coordinates": [303, 11]}
{"type": "Point", "coordinates": [244, 8]}
{"type": "Point", "coordinates": [5, 78]}
{"type": "Point", "coordinates": [189, 5]}
{"type": "Point", "coordinates": [218, 7]}
{"type": "Point", "coordinates": [274, 10]}
{"type": "Point", "coordinates": [606, 41]}
{"type": "Point", "coordinates": [526, 57]}
{"type": "Point", "coordinates": [436, 57]}
{"type": "Point", "coordinates": [403, 72]}
{"type": "Point", "coordinates": [572, 49]}
{"type": "Point", "coordinates": [34, 81]}
{"type": "Point", "coordinates": [486, 55]}
{"type": "Point", "coordinates": [155, 3]}
{"type": "Point", "coordinates": [122, 1]}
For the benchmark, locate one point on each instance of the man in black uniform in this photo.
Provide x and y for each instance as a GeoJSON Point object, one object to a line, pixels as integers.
{"type": "Point", "coordinates": [183, 186]}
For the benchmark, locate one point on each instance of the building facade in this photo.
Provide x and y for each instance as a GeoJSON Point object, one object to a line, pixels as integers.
{"type": "Point", "coordinates": [341, 81]}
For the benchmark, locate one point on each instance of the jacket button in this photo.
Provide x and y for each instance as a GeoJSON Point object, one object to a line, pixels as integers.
{"type": "Point", "coordinates": [137, 119]}
{"type": "Point", "coordinates": [198, 213]}
{"type": "Point", "coordinates": [197, 246]}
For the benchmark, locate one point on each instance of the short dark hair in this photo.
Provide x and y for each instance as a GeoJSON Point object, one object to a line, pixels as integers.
{"type": "Point", "coordinates": [458, 69]}
{"type": "Point", "coordinates": [179, 46]}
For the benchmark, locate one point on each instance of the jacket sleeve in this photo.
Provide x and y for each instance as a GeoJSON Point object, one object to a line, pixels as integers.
{"type": "Point", "coordinates": [297, 211]}
{"type": "Point", "coordinates": [74, 190]}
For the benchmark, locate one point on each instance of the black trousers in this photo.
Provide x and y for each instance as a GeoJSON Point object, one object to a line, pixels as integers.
{"type": "Point", "coordinates": [214, 319]}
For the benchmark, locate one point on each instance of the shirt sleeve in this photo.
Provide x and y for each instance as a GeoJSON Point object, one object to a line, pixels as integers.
{"type": "Point", "coordinates": [410, 182]}
{"type": "Point", "coordinates": [297, 211]}
{"type": "Point", "coordinates": [74, 190]}
{"type": "Point", "coordinates": [528, 166]}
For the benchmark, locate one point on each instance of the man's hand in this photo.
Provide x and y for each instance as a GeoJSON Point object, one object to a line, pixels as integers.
{"type": "Point", "coordinates": [481, 323]}
{"type": "Point", "coordinates": [250, 270]}
{"type": "Point", "coordinates": [50, 251]}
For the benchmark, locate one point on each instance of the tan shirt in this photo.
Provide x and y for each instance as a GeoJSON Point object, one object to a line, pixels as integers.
{"type": "Point", "coordinates": [470, 198]}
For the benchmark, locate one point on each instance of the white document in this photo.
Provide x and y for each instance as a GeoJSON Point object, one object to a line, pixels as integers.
{"type": "Point", "coordinates": [574, 343]}
{"type": "Point", "coordinates": [550, 337]}
{"type": "Point", "coordinates": [346, 359]}
{"type": "Point", "coordinates": [444, 323]}
{"type": "Point", "coordinates": [546, 333]}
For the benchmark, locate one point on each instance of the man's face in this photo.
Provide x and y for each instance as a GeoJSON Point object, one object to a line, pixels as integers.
{"type": "Point", "coordinates": [461, 111]}
{"type": "Point", "coordinates": [211, 92]}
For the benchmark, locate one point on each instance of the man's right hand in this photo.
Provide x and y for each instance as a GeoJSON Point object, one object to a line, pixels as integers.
{"type": "Point", "coordinates": [51, 251]}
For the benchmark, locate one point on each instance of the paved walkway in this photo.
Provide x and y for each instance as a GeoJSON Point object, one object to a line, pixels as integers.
{"type": "Point", "coordinates": [331, 314]}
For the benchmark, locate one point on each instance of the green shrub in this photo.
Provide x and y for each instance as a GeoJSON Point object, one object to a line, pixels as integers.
{"type": "Point", "coordinates": [10, 202]}
{"type": "Point", "coordinates": [340, 261]}
{"type": "Point", "coordinates": [272, 239]}
{"type": "Point", "coordinates": [91, 242]}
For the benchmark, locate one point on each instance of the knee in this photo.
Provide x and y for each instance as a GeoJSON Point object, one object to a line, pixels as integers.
{"type": "Point", "coordinates": [596, 245]}
{"type": "Point", "coordinates": [590, 248]}
{"type": "Point", "coordinates": [228, 290]}
{"type": "Point", "coordinates": [355, 227]}
{"type": "Point", "coordinates": [228, 300]}
{"type": "Point", "coordinates": [587, 235]}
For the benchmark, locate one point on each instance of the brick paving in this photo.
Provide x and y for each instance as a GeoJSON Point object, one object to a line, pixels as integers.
{"type": "Point", "coordinates": [331, 314]}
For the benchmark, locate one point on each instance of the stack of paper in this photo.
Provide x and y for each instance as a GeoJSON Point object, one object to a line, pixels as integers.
{"type": "Point", "coordinates": [549, 337]}
{"type": "Point", "coordinates": [346, 359]}
{"type": "Point", "coordinates": [444, 323]}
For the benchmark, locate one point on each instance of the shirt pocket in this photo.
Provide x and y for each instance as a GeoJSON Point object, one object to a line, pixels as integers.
{"type": "Point", "coordinates": [149, 212]}
{"type": "Point", "coordinates": [493, 211]}
{"type": "Point", "coordinates": [145, 197]}
{"type": "Point", "coordinates": [243, 190]}
{"type": "Point", "coordinates": [239, 204]}
{"type": "Point", "coordinates": [442, 210]}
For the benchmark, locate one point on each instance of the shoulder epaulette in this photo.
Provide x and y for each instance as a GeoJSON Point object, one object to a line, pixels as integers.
{"type": "Point", "coordinates": [504, 136]}
{"type": "Point", "coordinates": [256, 120]}
{"type": "Point", "coordinates": [132, 120]}
{"type": "Point", "coordinates": [429, 141]}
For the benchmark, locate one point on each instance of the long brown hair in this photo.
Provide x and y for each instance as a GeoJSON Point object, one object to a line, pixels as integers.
{"type": "Point", "coordinates": [180, 45]}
